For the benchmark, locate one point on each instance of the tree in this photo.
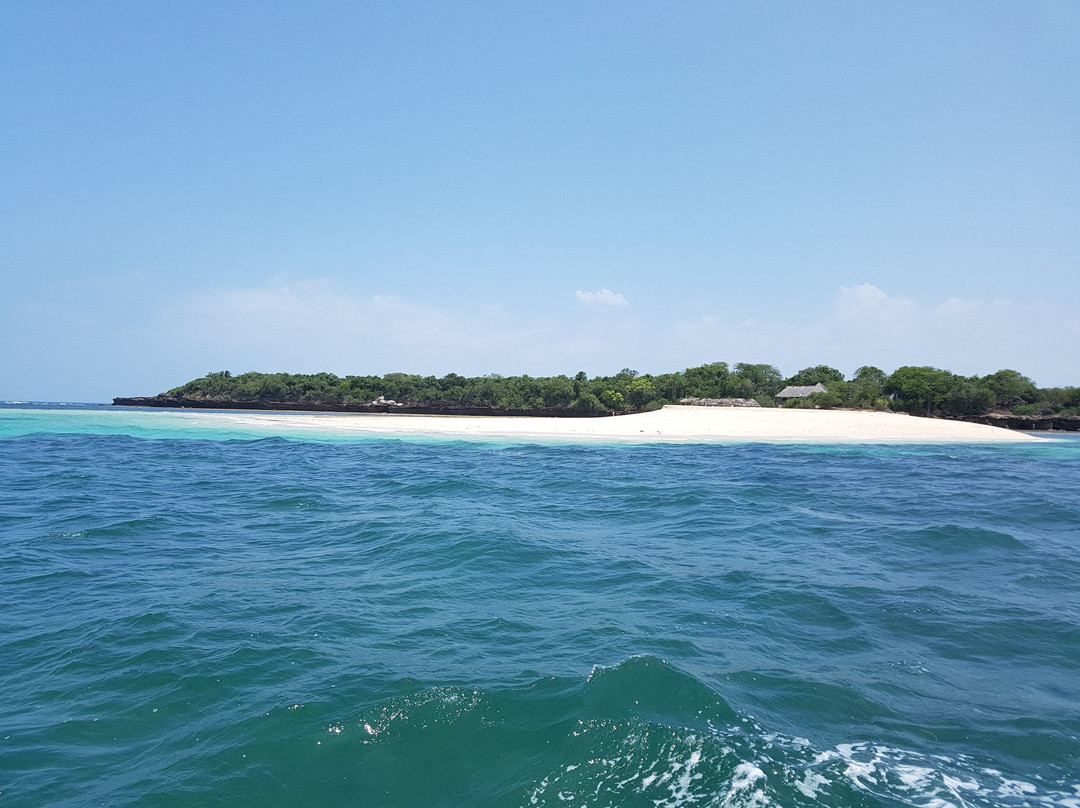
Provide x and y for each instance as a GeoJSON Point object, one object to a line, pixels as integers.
{"type": "Point", "coordinates": [589, 403]}
{"type": "Point", "coordinates": [639, 392]}
{"type": "Point", "coordinates": [919, 389]}
{"type": "Point", "coordinates": [869, 373]}
{"type": "Point", "coordinates": [1010, 387]}
{"type": "Point", "coordinates": [819, 374]}
{"type": "Point", "coordinates": [968, 397]}
{"type": "Point", "coordinates": [866, 390]}
{"type": "Point", "coordinates": [558, 392]}
{"type": "Point", "coordinates": [815, 401]}
{"type": "Point", "coordinates": [613, 399]}
{"type": "Point", "coordinates": [924, 390]}
{"type": "Point", "coordinates": [670, 386]}
{"type": "Point", "coordinates": [764, 379]}
{"type": "Point", "coordinates": [707, 381]}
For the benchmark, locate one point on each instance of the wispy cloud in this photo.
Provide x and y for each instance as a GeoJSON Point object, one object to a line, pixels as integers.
{"type": "Point", "coordinates": [605, 297]}
{"type": "Point", "coordinates": [320, 324]}
{"type": "Point", "coordinates": [867, 301]}
{"type": "Point", "coordinates": [966, 335]}
{"type": "Point", "coordinates": [309, 325]}
{"type": "Point", "coordinates": [866, 325]}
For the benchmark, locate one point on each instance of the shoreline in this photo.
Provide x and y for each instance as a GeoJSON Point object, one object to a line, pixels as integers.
{"type": "Point", "coordinates": [1022, 423]}
{"type": "Point", "coordinates": [671, 424]}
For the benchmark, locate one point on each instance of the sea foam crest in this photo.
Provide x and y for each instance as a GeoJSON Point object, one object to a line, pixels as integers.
{"type": "Point", "coordinates": [651, 766]}
{"type": "Point", "coordinates": [645, 734]}
{"type": "Point", "coordinates": [836, 776]}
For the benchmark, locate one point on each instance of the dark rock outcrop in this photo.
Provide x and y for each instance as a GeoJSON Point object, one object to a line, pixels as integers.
{"type": "Point", "coordinates": [1027, 423]}
{"type": "Point", "coordinates": [430, 408]}
{"type": "Point", "coordinates": [719, 402]}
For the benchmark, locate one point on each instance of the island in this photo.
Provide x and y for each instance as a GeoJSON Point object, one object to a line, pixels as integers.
{"type": "Point", "coordinates": [1004, 399]}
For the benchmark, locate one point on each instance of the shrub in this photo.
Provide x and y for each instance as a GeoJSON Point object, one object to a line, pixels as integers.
{"type": "Point", "coordinates": [589, 403]}
{"type": "Point", "coordinates": [613, 400]}
{"type": "Point", "coordinates": [815, 401]}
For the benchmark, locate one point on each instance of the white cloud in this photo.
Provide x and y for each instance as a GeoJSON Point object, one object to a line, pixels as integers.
{"type": "Point", "coordinates": [965, 335]}
{"type": "Point", "coordinates": [866, 307]}
{"type": "Point", "coordinates": [867, 326]}
{"type": "Point", "coordinates": [310, 325]}
{"type": "Point", "coordinates": [605, 297]}
{"type": "Point", "coordinates": [957, 307]}
{"type": "Point", "coordinates": [387, 302]}
{"type": "Point", "coordinates": [319, 324]}
{"type": "Point", "coordinates": [866, 301]}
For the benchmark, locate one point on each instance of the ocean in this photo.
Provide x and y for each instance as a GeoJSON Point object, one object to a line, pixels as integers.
{"type": "Point", "coordinates": [193, 616]}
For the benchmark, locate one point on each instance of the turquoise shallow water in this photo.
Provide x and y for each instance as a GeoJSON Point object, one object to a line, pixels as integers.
{"type": "Point", "coordinates": [192, 618]}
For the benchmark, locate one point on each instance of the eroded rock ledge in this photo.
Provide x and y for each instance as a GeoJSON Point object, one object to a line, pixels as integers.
{"type": "Point", "coordinates": [432, 408]}
{"type": "Point", "coordinates": [1027, 423]}
{"type": "Point", "coordinates": [719, 402]}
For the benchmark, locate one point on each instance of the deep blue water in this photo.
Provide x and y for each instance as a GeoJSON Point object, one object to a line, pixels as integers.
{"type": "Point", "coordinates": [260, 622]}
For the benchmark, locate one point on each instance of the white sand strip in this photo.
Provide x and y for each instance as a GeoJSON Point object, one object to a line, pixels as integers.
{"type": "Point", "coordinates": [672, 424]}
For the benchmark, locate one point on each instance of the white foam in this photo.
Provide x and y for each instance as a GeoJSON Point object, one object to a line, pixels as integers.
{"type": "Point", "coordinates": [936, 781]}
{"type": "Point", "coordinates": [679, 790]}
{"type": "Point", "coordinates": [1016, 788]}
{"type": "Point", "coordinates": [811, 784]}
{"type": "Point", "coordinates": [914, 777]}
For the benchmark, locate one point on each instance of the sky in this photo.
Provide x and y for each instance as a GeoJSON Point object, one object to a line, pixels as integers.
{"type": "Point", "coordinates": [538, 188]}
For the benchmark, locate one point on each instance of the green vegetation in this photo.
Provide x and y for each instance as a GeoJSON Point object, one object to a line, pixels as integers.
{"type": "Point", "coordinates": [918, 390]}
{"type": "Point", "coordinates": [931, 391]}
{"type": "Point", "coordinates": [627, 390]}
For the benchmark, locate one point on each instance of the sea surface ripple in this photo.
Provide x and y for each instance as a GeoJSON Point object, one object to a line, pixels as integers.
{"type": "Point", "coordinates": [387, 623]}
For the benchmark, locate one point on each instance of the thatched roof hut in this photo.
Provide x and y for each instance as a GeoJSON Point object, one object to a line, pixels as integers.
{"type": "Point", "coordinates": [799, 391]}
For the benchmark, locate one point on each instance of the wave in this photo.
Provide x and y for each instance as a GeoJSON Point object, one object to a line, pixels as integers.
{"type": "Point", "coordinates": [641, 733]}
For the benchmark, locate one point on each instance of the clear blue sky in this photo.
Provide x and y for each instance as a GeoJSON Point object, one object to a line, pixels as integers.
{"type": "Point", "coordinates": [534, 188]}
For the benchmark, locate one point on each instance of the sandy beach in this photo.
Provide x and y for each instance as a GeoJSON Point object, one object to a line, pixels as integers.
{"type": "Point", "coordinates": [672, 424]}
